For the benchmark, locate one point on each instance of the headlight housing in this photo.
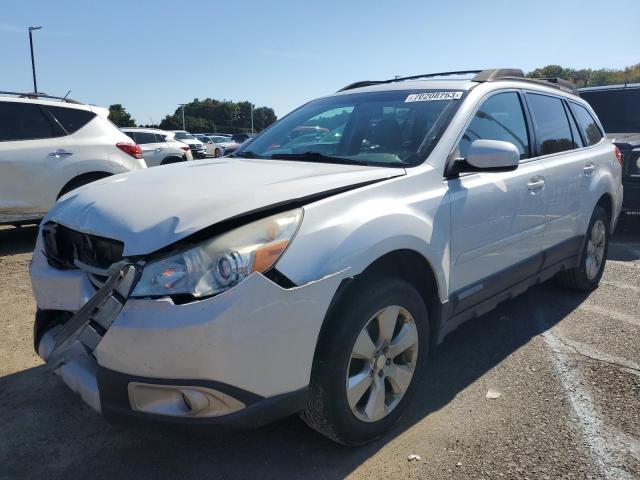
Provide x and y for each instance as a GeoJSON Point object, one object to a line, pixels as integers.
{"type": "Point", "coordinates": [218, 264]}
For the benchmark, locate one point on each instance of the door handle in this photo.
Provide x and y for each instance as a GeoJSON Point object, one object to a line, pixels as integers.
{"type": "Point", "coordinates": [535, 184]}
{"type": "Point", "coordinates": [589, 169]}
{"type": "Point", "coordinates": [159, 149]}
{"type": "Point", "coordinates": [60, 153]}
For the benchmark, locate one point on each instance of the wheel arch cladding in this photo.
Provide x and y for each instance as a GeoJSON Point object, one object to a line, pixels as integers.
{"type": "Point", "coordinates": [605, 201]}
{"type": "Point", "coordinates": [406, 264]}
{"type": "Point", "coordinates": [81, 180]}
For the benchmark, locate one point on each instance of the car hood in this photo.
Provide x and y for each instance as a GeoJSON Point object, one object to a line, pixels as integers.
{"type": "Point", "coordinates": [150, 209]}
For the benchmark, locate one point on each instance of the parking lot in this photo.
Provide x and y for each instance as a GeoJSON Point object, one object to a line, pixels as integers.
{"type": "Point", "coordinates": [566, 367]}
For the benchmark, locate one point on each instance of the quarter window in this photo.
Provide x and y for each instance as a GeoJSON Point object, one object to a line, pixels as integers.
{"type": "Point", "coordinates": [71, 119]}
{"type": "Point", "coordinates": [24, 121]}
{"type": "Point", "coordinates": [588, 125]}
{"type": "Point", "coordinates": [551, 124]}
{"type": "Point", "coordinates": [499, 118]}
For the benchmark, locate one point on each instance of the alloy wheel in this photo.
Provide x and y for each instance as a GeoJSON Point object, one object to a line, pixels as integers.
{"type": "Point", "coordinates": [382, 363]}
{"type": "Point", "coordinates": [595, 249]}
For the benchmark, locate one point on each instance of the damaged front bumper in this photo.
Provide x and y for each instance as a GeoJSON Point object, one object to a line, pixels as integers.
{"type": "Point", "coordinates": [240, 358]}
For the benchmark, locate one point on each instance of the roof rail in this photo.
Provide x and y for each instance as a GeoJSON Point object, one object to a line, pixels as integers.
{"type": "Point", "coordinates": [40, 95]}
{"type": "Point", "coordinates": [488, 75]}
{"type": "Point", "coordinates": [367, 83]}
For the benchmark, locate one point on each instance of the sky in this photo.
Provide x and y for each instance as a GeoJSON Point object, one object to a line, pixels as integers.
{"type": "Point", "coordinates": [152, 55]}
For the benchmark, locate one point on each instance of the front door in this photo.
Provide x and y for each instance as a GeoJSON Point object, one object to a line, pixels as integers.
{"type": "Point", "coordinates": [498, 218]}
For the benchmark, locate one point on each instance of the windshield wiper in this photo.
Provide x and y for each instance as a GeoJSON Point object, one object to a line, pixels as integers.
{"type": "Point", "coordinates": [245, 154]}
{"type": "Point", "coordinates": [319, 157]}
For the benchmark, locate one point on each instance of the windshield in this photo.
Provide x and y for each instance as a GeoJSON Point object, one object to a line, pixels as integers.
{"type": "Point", "coordinates": [184, 135]}
{"type": "Point", "coordinates": [397, 128]}
{"type": "Point", "coordinates": [618, 110]}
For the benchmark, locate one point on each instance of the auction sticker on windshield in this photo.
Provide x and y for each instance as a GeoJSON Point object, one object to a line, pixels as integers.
{"type": "Point", "coordinates": [432, 96]}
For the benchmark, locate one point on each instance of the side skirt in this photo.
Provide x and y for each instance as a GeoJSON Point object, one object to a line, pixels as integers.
{"type": "Point", "coordinates": [477, 299]}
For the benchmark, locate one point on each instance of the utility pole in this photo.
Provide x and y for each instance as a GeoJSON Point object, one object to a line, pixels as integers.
{"type": "Point", "coordinates": [183, 124]}
{"type": "Point", "coordinates": [33, 63]}
{"type": "Point", "coordinates": [252, 132]}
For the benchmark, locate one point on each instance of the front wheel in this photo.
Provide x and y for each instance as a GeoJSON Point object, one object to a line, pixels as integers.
{"type": "Point", "coordinates": [587, 275]}
{"type": "Point", "coordinates": [368, 362]}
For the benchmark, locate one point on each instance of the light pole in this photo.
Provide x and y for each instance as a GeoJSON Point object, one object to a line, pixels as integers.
{"type": "Point", "coordinates": [183, 124]}
{"type": "Point", "coordinates": [33, 63]}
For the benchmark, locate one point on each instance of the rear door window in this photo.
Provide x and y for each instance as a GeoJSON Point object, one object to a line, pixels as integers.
{"type": "Point", "coordinates": [587, 123]}
{"type": "Point", "coordinates": [499, 118]}
{"type": "Point", "coordinates": [71, 119]}
{"type": "Point", "coordinates": [143, 138]}
{"type": "Point", "coordinates": [553, 132]}
{"type": "Point", "coordinates": [25, 121]}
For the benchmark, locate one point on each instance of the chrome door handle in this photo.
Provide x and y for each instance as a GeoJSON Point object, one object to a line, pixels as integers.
{"type": "Point", "coordinates": [60, 153]}
{"type": "Point", "coordinates": [589, 169]}
{"type": "Point", "coordinates": [159, 149]}
{"type": "Point", "coordinates": [535, 184]}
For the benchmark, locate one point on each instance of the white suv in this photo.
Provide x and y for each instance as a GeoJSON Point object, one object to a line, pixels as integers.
{"type": "Point", "coordinates": [159, 147]}
{"type": "Point", "coordinates": [48, 147]}
{"type": "Point", "coordinates": [316, 277]}
{"type": "Point", "coordinates": [197, 147]}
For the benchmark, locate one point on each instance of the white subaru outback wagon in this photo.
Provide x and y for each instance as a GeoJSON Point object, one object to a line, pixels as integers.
{"type": "Point", "coordinates": [314, 275]}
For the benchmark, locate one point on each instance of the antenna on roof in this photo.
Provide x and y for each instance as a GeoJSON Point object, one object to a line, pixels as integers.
{"type": "Point", "coordinates": [65, 97]}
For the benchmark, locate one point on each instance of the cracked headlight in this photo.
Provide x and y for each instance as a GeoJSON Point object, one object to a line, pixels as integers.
{"type": "Point", "coordinates": [218, 264]}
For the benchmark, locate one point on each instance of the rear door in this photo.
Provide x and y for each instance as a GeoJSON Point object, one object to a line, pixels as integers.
{"type": "Point", "coordinates": [498, 218]}
{"type": "Point", "coordinates": [36, 159]}
{"type": "Point", "coordinates": [152, 150]}
{"type": "Point", "coordinates": [558, 147]}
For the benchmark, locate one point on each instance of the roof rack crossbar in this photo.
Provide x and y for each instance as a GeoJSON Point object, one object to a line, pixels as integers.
{"type": "Point", "coordinates": [39, 95]}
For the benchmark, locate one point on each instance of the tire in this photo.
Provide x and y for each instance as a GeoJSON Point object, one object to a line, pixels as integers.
{"type": "Point", "coordinates": [82, 181]}
{"type": "Point", "coordinates": [170, 160]}
{"type": "Point", "coordinates": [586, 277]}
{"type": "Point", "coordinates": [328, 409]}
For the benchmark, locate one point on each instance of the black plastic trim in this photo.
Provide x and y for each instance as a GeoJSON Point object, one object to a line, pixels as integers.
{"type": "Point", "coordinates": [508, 283]}
{"type": "Point", "coordinates": [114, 400]}
{"type": "Point", "coordinates": [114, 385]}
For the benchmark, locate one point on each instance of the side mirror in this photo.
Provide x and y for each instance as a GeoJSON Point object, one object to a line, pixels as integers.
{"type": "Point", "coordinates": [493, 156]}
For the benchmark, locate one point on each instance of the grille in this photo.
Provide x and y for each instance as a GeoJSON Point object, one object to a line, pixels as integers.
{"type": "Point", "coordinates": [63, 246]}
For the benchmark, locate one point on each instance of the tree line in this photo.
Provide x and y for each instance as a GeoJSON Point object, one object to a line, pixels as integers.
{"type": "Point", "coordinates": [587, 77]}
{"type": "Point", "coordinates": [210, 115]}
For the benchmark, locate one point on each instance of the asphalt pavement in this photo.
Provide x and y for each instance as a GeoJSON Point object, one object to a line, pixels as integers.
{"type": "Point", "coordinates": [562, 370]}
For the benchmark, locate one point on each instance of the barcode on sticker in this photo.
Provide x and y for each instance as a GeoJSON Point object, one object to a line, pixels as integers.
{"type": "Point", "coordinates": [432, 96]}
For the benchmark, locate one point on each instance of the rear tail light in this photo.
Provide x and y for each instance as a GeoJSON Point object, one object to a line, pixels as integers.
{"type": "Point", "coordinates": [185, 148]}
{"type": "Point", "coordinates": [131, 148]}
{"type": "Point", "coordinates": [618, 155]}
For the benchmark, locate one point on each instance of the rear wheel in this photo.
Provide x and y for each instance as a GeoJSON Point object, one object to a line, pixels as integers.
{"type": "Point", "coordinates": [369, 361]}
{"type": "Point", "coordinates": [81, 181]}
{"type": "Point", "coordinates": [587, 275]}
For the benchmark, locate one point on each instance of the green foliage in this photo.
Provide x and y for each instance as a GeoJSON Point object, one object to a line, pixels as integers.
{"type": "Point", "coordinates": [210, 115]}
{"type": "Point", "coordinates": [588, 77]}
{"type": "Point", "coordinates": [119, 115]}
